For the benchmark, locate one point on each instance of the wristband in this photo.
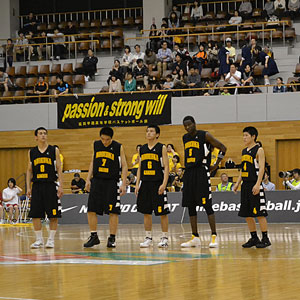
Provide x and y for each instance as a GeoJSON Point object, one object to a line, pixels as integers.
{"type": "Point", "coordinates": [221, 154]}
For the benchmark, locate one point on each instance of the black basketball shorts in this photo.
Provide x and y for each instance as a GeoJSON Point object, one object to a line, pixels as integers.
{"type": "Point", "coordinates": [252, 205]}
{"type": "Point", "coordinates": [104, 196]}
{"type": "Point", "coordinates": [148, 199]}
{"type": "Point", "coordinates": [44, 200]}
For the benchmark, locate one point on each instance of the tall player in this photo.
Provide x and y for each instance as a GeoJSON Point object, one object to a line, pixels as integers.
{"type": "Point", "coordinates": [253, 202]}
{"type": "Point", "coordinates": [108, 163]}
{"type": "Point", "coordinates": [196, 179]}
{"type": "Point", "coordinates": [44, 169]}
{"type": "Point", "coordinates": [152, 179]}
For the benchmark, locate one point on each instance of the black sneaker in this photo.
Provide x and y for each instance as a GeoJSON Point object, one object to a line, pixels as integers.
{"type": "Point", "coordinates": [93, 240]}
{"type": "Point", "coordinates": [265, 242]}
{"type": "Point", "coordinates": [111, 242]}
{"type": "Point", "coordinates": [252, 242]}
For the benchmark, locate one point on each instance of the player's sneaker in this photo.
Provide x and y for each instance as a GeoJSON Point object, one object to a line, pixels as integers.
{"type": "Point", "coordinates": [50, 243]}
{"type": "Point", "coordinates": [251, 243]}
{"type": "Point", "coordinates": [93, 240]}
{"type": "Point", "coordinates": [146, 243]}
{"type": "Point", "coordinates": [193, 242]}
{"type": "Point", "coordinates": [163, 242]}
{"type": "Point", "coordinates": [111, 242]}
{"type": "Point", "coordinates": [214, 242]}
{"type": "Point", "coordinates": [265, 242]}
{"type": "Point", "coordinates": [37, 244]}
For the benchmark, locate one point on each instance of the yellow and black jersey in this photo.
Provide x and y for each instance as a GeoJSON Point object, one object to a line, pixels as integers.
{"type": "Point", "coordinates": [250, 165]}
{"type": "Point", "coordinates": [107, 160]}
{"type": "Point", "coordinates": [152, 168]}
{"type": "Point", "coordinates": [43, 164]}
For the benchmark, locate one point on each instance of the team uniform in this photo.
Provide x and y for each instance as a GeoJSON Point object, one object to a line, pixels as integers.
{"type": "Point", "coordinates": [44, 197]}
{"type": "Point", "coordinates": [196, 179]}
{"type": "Point", "coordinates": [104, 195]}
{"type": "Point", "coordinates": [151, 178]}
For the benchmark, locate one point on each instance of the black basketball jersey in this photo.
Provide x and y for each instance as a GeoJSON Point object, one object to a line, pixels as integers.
{"type": "Point", "coordinates": [107, 160]}
{"type": "Point", "coordinates": [43, 164]}
{"type": "Point", "coordinates": [250, 165]}
{"type": "Point", "coordinates": [196, 150]}
{"type": "Point", "coordinates": [152, 168]}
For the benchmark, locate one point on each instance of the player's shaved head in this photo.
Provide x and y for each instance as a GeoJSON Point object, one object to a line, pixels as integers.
{"type": "Point", "coordinates": [189, 118]}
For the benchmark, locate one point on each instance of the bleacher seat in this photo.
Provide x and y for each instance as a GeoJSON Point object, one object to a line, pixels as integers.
{"type": "Point", "coordinates": [32, 71]}
{"type": "Point", "coordinates": [31, 82]}
{"type": "Point", "coordinates": [44, 69]}
{"type": "Point", "coordinates": [20, 83]}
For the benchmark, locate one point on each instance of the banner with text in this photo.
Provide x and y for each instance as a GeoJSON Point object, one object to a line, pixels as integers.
{"type": "Point", "coordinates": [135, 109]}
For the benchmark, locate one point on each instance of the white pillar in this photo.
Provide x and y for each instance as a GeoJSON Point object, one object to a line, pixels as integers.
{"type": "Point", "coordinates": [9, 18]}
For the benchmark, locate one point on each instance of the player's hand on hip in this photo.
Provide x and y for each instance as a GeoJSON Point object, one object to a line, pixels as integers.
{"type": "Point", "coordinates": [60, 192]}
{"type": "Point", "coordinates": [122, 190]}
{"type": "Point", "coordinates": [28, 194]}
{"type": "Point", "coordinates": [136, 191]}
{"type": "Point", "coordinates": [161, 189]}
{"type": "Point", "coordinates": [255, 189]}
{"type": "Point", "coordinates": [88, 185]}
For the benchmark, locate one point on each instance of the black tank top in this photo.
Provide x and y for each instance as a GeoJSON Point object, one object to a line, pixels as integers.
{"type": "Point", "coordinates": [250, 165]}
{"type": "Point", "coordinates": [196, 150]}
{"type": "Point", "coordinates": [107, 160]}
{"type": "Point", "coordinates": [152, 168]}
{"type": "Point", "coordinates": [43, 164]}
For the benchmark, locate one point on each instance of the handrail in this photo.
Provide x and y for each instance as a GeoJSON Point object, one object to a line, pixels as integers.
{"type": "Point", "coordinates": [214, 2]}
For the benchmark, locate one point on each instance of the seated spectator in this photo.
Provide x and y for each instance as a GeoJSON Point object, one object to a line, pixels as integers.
{"type": "Point", "coordinates": [200, 58]}
{"type": "Point", "coordinates": [224, 62]}
{"type": "Point", "coordinates": [150, 60]}
{"type": "Point", "coordinates": [247, 80]}
{"type": "Point", "coordinates": [225, 185]}
{"type": "Point", "coordinates": [280, 7]}
{"type": "Point", "coordinates": [185, 55]}
{"type": "Point", "coordinates": [140, 73]}
{"type": "Point", "coordinates": [5, 82]}
{"type": "Point", "coordinates": [135, 160]}
{"type": "Point", "coordinates": [90, 65]}
{"type": "Point", "coordinates": [153, 38]}
{"type": "Point", "coordinates": [176, 11]}
{"type": "Point", "coordinates": [270, 66]}
{"type": "Point", "coordinates": [294, 7]}
{"type": "Point", "coordinates": [164, 57]}
{"type": "Point", "coordinates": [245, 9]}
{"type": "Point", "coordinates": [30, 23]}
{"type": "Point", "coordinates": [212, 55]}
{"type": "Point", "coordinates": [173, 19]}
{"type": "Point", "coordinates": [171, 152]}
{"type": "Point", "coordinates": [295, 85]}
{"type": "Point", "coordinates": [61, 87]}
{"type": "Point", "coordinates": [11, 200]}
{"type": "Point", "coordinates": [115, 85]}
{"type": "Point", "coordinates": [268, 9]}
{"type": "Point", "coordinates": [235, 19]}
{"type": "Point", "coordinates": [169, 84]}
{"type": "Point", "coordinates": [175, 165]}
{"type": "Point", "coordinates": [178, 65]}
{"type": "Point", "coordinates": [178, 180]}
{"type": "Point", "coordinates": [22, 51]}
{"type": "Point", "coordinates": [70, 30]}
{"type": "Point", "coordinates": [116, 71]}
{"type": "Point", "coordinates": [8, 53]}
{"type": "Point", "coordinates": [155, 86]}
{"type": "Point", "coordinates": [197, 12]}
{"type": "Point", "coordinates": [130, 82]}
{"type": "Point", "coordinates": [137, 55]}
{"type": "Point", "coordinates": [78, 184]}
{"type": "Point", "coordinates": [280, 87]}
{"type": "Point", "coordinates": [180, 81]}
{"type": "Point", "coordinates": [233, 78]}
{"type": "Point", "coordinates": [210, 88]}
{"type": "Point", "coordinates": [193, 81]}
{"type": "Point", "coordinates": [41, 48]}
{"type": "Point", "coordinates": [41, 87]}
{"type": "Point", "coordinates": [225, 92]}
{"type": "Point", "coordinates": [293, 184]}
{"type": "Point", "coordinates": [58, 49]}
{"type": "Point", "coordinates": [231, 50]}
{"type": "Point", "coordinates": [267, 185]}
{"type": "Point", "coordinates": [127, 60]}
{"type": "Point", "coordinates": [164, 37]}
{"type": "Point", "coordinates": [129, 187]}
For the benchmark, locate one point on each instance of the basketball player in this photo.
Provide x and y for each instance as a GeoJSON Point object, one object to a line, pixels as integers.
{"type": "Point", "coordinates": [108, 161]}
{"type": "Point", "coordinates": [196, 179]}
{"type": "Point", "coordinates": [44, 169]}
{"type": "Point", "coordinates": [152, 179]}
{"type": "Point", "coordinates": [253, 203]}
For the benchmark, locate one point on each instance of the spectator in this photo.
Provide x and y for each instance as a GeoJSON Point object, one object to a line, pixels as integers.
{"type": "Point", "coordinates": [293, 184]}
{"type": "Point", "coordinates": [280, 87]}
{"type": "Point", "coordinates": [225, 92]}
{"type": "Point", "coordinates": [41, 48]}
{"type": "Point", "coordinates": [169, 84]}
{"type": "Point", "coordinates": [127, 60]}
{"type": "Point", "coordinates": [70, 30]}
{"type": "Point", "coordinates": [225, 185]}
{"type": "Point", "coordinates": [11, 199]}
{"type": "Point", "coordinates": [178, 65]}
{"type": "Point", "coordinates": [280, 8]}
{"type": "Point", "coordinates": [77, 184]}
{"type": "Point", "coordinates": [178, 180]}
{"type": "Point", "coordinates": [163, 37]}
{"type": "Point", "coordinates": [5, 82]}
{"type": "Point", "coordinates": [270, 66]}
{"type": "Point", "coordinates": [115, 85]}
{"type": "Point", "coordinates": [295, 88]}
{"type": "Point", "coordinates": [153, 38]}
{"type": "Point", "coordinates": [185, 55]}
{"type": "Point", "coordinates": [255, 50]}
{"type": "Point", "coordinates": [140, 73]}
{"type": "Point", "coordinates": [130, 82]}
{"type": "Point", "coordinates": [235, 19]}
{"type": "Point", "coordinates": [231, 50]}
{"type": "Point", "coordinates": [175, 32]}
{"type": "Point", "coordinates": [116, 71]}
{"type": "Point", "coordinates": [31, 40]}
{"type": "Point", "coordinates": [230, 164]}
{"type": "Point", "coordinates": [176, 11]}
{"type": "Point", "coordinates": [173, 19]}
{"type": "Point", "coordinates": [59, 47]}
{"type": "Point", "coordinates": [90, 65]}
{"type": "Point", "coordinates": [175, 165]}
{"type": "Point", "coordinates": [8, 53]}
{"type": "Point", "coordinates": [267, 185]}
{"type": "Point", "coordinates": [247, 80]}
{"type": "Point", "coordinates": [224, 62]}
{"type": "Point", "coordinates": [137, 55]}
{"type": "Point", "coordinates": [294, 7]}
{"type": "Point", "coordinates": [135, 160]}
{"type": "Point", "coordinates": [171, 152]}
{"type": "Point", "coordinates": [22, 51]}
{"type": "Point", "coordinates": [150, 60]}
{"type": "Point", "coordinates": [268, 9]}
{"type": "Point", "coordinates": [61, 87]}
{"type": "Point", "coordinates": [245, 9]}
{"type": "Point", "coordinates": [200, 58]}
{"type": "Point", "coordinates": [180, 81]}
{"type": "Point", "coordinates": [41, 87]}
{"type": "Point", "coordinates": [197, 12]}
{"type": "Point", "coordinates": [193, 81]}
{"type": "Point", "coordinates": [233, 78]}
{"type": "Point", "coordinates": [1, 211]}
{"type": "Point", "coordinates": [30, 23]}
{"type": "Point", "coordinates": [164, 57]}
{"type": "Point", "coordinates": [246, 56]}
{"type": "Point", "coordinates": [212, 55]}
{"type": "Point", "coordinates": [210, 88]}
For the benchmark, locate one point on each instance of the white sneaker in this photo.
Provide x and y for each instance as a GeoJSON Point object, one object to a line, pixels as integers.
{"type": "Point", "coordinates": [37, 244]}
{"type": "Point", "coordinates": [163, 242]}
{"type": "Point", "coordinates": [193, 242]}
{"type": "Point", "coordinates": [51, 57]}
{"type": "Point", "coordinates": [86, 78]}
{"type": "Point", "coordinates": [57, 58]}
{"type": "Point", "coordinates": [214, 242]}
{"type": "Point", "coordinates": [50, 244]}
{"type": "Point", "coordinates": [146, 243]}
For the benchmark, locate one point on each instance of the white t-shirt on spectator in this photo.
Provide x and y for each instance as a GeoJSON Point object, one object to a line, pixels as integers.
{"type": "Point", "coordinates": [232, 80]}
{"type": "Point", "coordinates": [11, 193]}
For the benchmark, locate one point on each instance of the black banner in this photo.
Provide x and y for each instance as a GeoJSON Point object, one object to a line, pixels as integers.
{"type": "Point", "coordinates": [137, 109]}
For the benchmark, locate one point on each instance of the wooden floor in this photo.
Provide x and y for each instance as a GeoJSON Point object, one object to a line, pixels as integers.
{"type": "Point", "coordinates": [129, 273]}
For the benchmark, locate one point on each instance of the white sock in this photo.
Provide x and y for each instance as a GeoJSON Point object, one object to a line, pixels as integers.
{"type": "Point", "coordinates": [164, 234]}
{"type": "Point", "coordinates": [39, 235]}
{"type": "Point", "coordinates": [52, 234]}
{"type": "Point", "coordinates": [149, 234]}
